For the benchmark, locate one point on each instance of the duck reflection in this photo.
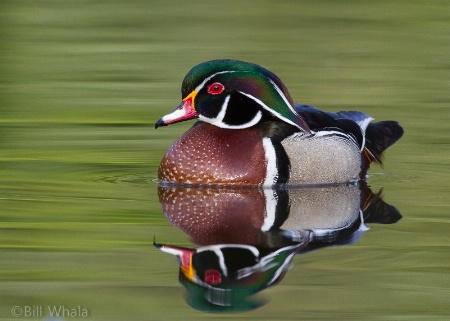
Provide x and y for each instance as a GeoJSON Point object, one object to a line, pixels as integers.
{"type": "Point", "coordinates": [248, 237]}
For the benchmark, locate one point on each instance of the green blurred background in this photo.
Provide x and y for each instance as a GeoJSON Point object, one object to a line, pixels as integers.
{"type": "Point", "coordinates": [82, 83]}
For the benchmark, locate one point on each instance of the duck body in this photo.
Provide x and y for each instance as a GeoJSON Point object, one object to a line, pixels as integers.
{"type": "Point", "coordinates": [251, 133]}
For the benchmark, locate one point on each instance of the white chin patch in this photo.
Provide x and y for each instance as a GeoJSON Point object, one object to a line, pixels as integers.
{"type": "Point", "coordinates": [174, 116]}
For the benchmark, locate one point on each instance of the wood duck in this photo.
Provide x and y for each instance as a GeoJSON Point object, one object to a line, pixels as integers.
{"type": "Point", "coordinates": [244, 248]}
{"type": "Point", "coordinates": [250, 132]}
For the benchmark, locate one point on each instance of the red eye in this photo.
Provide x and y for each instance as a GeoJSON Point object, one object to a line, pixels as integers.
{"type": "Point", "coordinates": [215, 88]}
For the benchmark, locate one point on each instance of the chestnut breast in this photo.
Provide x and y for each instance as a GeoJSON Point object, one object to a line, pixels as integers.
{"type": "Point", "coordinates": [207, 154]}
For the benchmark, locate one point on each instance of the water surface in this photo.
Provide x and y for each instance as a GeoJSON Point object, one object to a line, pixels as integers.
{"type": "Point", "coordinates": [82, 84]}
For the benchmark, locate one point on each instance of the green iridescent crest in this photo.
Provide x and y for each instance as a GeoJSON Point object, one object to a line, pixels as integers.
{"type": "Point", "coordinates": [198, 73]}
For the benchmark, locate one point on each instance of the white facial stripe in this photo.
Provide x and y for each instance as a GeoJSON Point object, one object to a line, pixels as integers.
{"type": "Point", "coordinates": [216, 248]}
{"type": "Point", "coordinates": [223, 110]}
{"type": "Point", "coordinates": [218, 120]}
{"type": "Point", "coordinates": [199, 87]}
{"type": "Point", "coordinates": [251, 123]}
{"type": "Point", "coordinates": [270, 110]}
{"type": "Point", "coordinates": [219, 254]}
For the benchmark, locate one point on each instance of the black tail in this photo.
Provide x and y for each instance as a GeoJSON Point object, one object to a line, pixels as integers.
{"type": "Point", "coordinates": [379, 136]}
{"type": "Point", "coordinates": [375, 210]}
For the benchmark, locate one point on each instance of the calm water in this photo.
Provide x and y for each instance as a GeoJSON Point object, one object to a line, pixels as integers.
{"type": "Point", "coordinates": [82, 84]}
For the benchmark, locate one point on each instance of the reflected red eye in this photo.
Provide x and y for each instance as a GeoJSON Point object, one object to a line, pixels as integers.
{"type": "Point", "coordinates": [215, 88]}
{"type": "Point", "coordinates": [213, 277]}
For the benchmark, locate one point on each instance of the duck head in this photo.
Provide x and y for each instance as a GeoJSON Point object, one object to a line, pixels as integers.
{"type": "Point", "coordinates": [233, 94]}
